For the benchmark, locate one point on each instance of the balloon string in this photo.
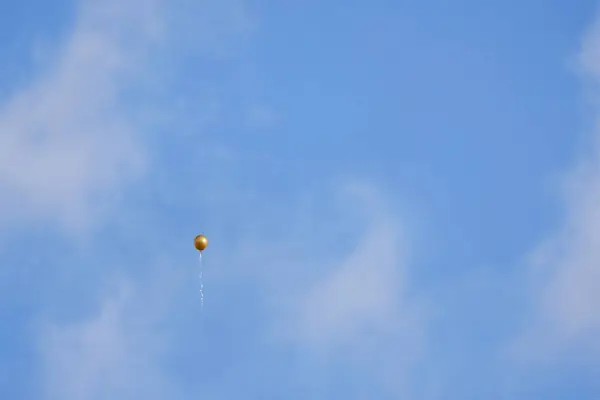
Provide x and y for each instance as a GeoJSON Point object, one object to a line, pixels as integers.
{"type": "Point", "coordinates": [201, 282]}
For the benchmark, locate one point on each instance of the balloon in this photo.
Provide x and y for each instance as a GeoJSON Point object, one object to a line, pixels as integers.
{"type": "Point", "coordinates": [200, 242]}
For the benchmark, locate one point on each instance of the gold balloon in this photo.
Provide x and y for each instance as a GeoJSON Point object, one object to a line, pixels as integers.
{"type": "Point", "coordinates": [200, 242]}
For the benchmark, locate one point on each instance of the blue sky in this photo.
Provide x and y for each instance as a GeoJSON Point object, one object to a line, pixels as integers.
{"type": "Point", "coordinates": [402, 199]}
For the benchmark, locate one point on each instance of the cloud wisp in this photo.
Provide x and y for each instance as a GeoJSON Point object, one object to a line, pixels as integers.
{"type": "Point", "coordinates": [565, 284]}
{"type": "Point", "coordinates": [68, 143]}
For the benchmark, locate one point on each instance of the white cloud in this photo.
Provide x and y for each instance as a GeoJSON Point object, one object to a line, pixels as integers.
{"type": "Point", "coordinates": [358, 306]}
{"type": "Point", "coordinates": [110, 355]}
{"type": "Point", "coordinates": [566, 320]}
{"type": "Point", "coordinates": [69, 143]}
{"type": "Point", "coordinates": [66, 142]}
{"type": "Point", "coordinates": [358, 295]}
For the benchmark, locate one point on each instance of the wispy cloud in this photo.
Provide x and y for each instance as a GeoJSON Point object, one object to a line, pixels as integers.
{"type": "Point", "coordinates": [354, 303]}
{"type": "Point", "coordinates": [68, 143]}
{"type": "Point", "coordinates": [363, 293]}
{"type": "Point", "coordinates": [114, 353]}
{"type": "Point", "coordinates": [566, 279]}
